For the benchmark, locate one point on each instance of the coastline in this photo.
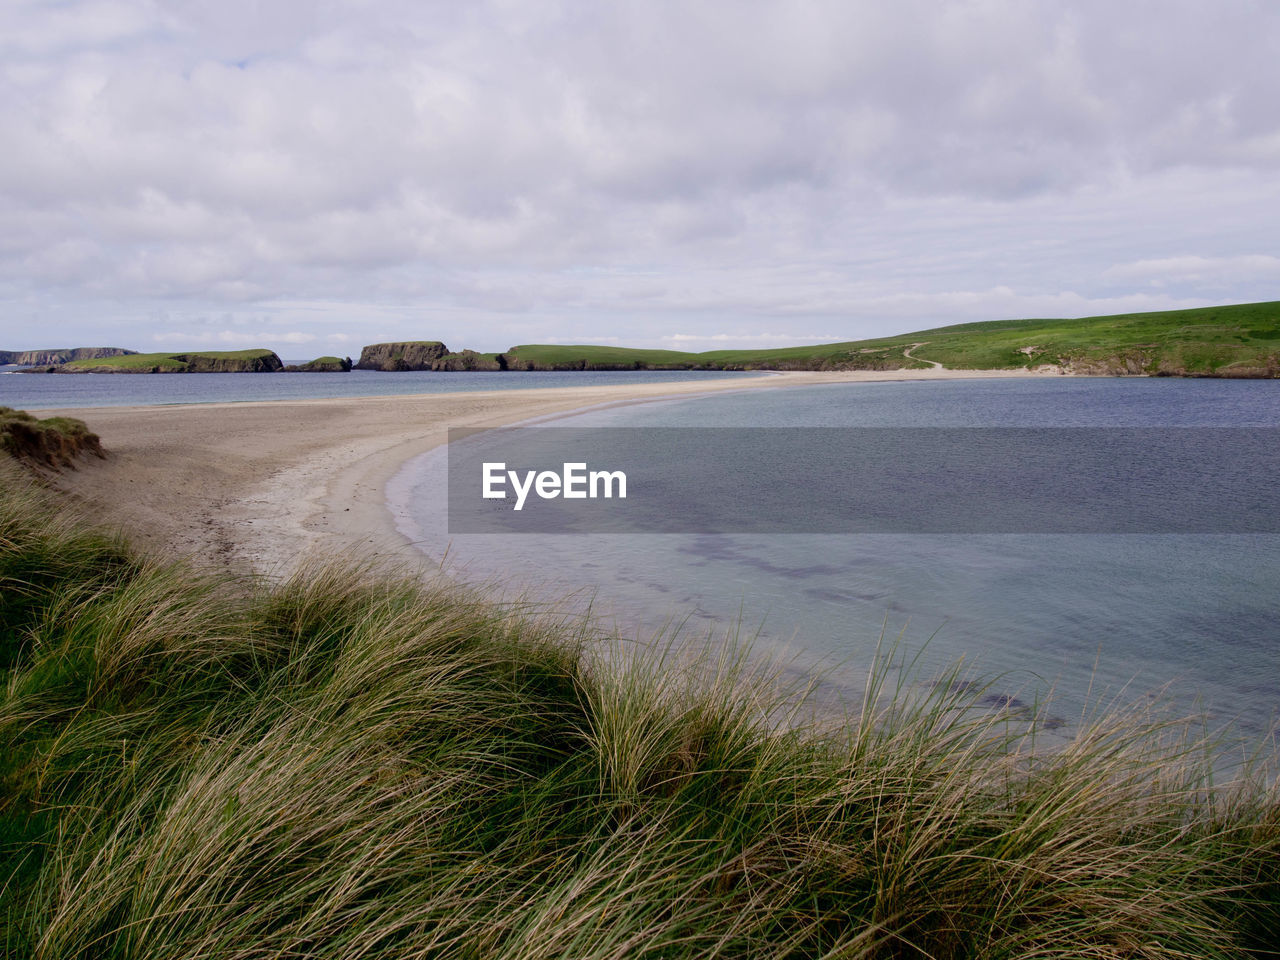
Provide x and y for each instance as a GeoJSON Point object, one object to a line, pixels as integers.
{"type": "Point", "coordinates": [261, 485]}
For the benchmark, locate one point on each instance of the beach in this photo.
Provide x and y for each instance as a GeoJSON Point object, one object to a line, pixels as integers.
{"type": "Point", "coordinates": [262, 485]}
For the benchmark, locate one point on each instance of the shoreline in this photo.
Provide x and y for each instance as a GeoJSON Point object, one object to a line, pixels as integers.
{"type": "Point", "coordinates": [260, 485]}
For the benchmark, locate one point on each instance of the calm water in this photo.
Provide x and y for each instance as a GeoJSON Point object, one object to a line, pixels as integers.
{"type": "Point", "coordinates": [29, 391]}
{"type": "Point", "coordinates": [1083, 615]}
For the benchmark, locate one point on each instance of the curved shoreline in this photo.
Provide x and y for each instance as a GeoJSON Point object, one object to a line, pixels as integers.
{"type": "Point", "coordinates": [260, 485]}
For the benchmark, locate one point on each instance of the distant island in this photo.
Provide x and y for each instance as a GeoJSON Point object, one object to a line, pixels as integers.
{"type": "Point", "coordinates": [321, 365]}
{"type": "Point", "coordinates": [229, 361]}
{"type": "Point", "coordinates": [46, 357]}
{"type": "Point", "coordinates": [434, 355]}
{"type": "Point", "coordinates": [1241, 341]}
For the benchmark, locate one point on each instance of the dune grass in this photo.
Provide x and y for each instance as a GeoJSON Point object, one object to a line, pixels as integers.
{"type": "Point", "coordinates": [52, 442]}
{"type": "Point", "coordinates": [350, 764]}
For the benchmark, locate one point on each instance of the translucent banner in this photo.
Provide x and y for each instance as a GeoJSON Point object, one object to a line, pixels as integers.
{"type": "Point", "coordinates": [548, 479]}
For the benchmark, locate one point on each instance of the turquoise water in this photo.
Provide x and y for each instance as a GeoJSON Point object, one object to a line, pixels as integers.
{"type": "Point", "coordinates": [1081, 616]}
{"type": "Point", "coordinates": [31, 391]}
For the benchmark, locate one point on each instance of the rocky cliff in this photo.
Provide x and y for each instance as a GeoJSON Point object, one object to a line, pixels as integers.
{"type": "Point", "coordinates": [47, 357]}
{"type": "Point", "coordinates": [213, 363]}
{"type": "Point", "coordinates": [468, 360]}
{"type": "Point", "coordinates": [321, 365]}
{"type": "Point", "coordinates": [409, 355]}
{"type": "Point", "coordinates": [238, 361]}
{"type": "Point", "coordinates": [1151, 363]}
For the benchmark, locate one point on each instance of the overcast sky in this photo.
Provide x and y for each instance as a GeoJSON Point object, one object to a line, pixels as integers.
{"type": "Point", "coordinates": [313, 176]}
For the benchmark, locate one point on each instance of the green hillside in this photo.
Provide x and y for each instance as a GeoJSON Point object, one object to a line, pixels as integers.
{"type": "Point", "coordinates": [225, 361]}
{"type": "Point", "coordinates": [1243, 339]}
{"type": "Point", "coordinates": [1240, 340]}
{"type": "Point", "coordinates": [549, 356]}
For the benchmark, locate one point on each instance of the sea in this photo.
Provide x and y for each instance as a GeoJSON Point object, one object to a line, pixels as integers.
{"type": "Point", "coordinates": [50, 391]}
{"type": "Point", "coordinates": [1061, 624]}
{"type": "Point", "coordinates": [1074, 621]}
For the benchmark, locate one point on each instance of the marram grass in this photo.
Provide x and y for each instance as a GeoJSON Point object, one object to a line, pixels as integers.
{"type": "Point", "coordinates": [353, 765]}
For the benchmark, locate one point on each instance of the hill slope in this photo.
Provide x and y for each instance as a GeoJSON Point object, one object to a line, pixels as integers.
{"type": "Point", "coordinates": [227, 361]}
{"type": "Point", "coordinates": [38, 357]}
{"type": "Point", "coordinates": [1242, 340]}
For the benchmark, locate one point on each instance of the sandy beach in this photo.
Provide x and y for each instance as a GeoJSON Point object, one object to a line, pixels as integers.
{"type": "Point", "coordinates": [262, 485]}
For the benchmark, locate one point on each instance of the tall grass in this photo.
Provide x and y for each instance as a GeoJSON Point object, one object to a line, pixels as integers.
{"type": "Point", "coordinates": [353, 765]}
{"type": "Point", "coordinates": [54, 442]}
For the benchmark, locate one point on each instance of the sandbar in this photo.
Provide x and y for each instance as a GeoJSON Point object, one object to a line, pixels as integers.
{"type": "Point", "coordinates": [258, 486]}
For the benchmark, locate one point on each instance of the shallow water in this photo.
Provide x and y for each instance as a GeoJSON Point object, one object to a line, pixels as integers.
{"type": "Point", "coordinates": [33, 391]}
{"type": "Point", "coordinates": [1085, 617]}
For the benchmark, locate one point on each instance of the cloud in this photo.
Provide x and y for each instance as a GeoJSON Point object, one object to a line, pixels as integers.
{"type": "Point", "coordinates": [736, 337]}
{"type": "Point", "coordinates": [226, 337]}
{"type": "Point", "coordinates": [1205, 272]}
{"type": "Point", "coordinates": [501, 168]}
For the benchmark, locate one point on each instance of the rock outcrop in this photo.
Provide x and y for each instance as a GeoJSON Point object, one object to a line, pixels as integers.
{"type": "Point", "coordinates": [1134, 363]}
{"type": "Point", "coordinates": [468, 360]}
{"type": "Point", "coordinates": [47, 357]}
{"type": "Point", "coordinates": [409, 355]}
{"type": "Point", "coordinates": [267, 362]}
{"type": "Point", "coordinates": [321, 365]}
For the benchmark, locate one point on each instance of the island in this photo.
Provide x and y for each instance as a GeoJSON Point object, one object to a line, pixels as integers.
{"type": "Point", "coordinates": [233, 361]}
{"type": "Point", "coordinates": [59, 355]}
{"type": "Point", "coordinates": [1235, 341]}
{"type": "Point", "coordinates": [321, 365]}
{"type": "Point", "coordinates": [1238, 341]}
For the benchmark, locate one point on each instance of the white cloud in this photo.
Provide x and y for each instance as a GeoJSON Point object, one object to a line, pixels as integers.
{"type": "Point", "coordinates": [1216, 272]}
{"type": "Point", "coordinates": [232, 339]}
{"type": "Point", "coordinates": [499, 170]}
{"type": "Point", "coordinates": [752, 338]}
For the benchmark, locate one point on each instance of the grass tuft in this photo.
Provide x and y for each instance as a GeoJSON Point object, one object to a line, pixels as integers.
{"type": "Point", "coordinates": [53, 442]}
{"type": "Point", "coordinates": [352, 764]}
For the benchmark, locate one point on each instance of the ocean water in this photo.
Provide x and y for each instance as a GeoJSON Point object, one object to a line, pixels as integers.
{"type": "Point", "coordinates": [1076, 618]}
{"type": "Point", "coordinates": [30, 391]}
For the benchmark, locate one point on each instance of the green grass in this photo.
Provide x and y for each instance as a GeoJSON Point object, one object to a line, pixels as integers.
{"type": "Point", "coordinates": [321, 364]}
{"type": "Point", "coordinates": [52, 442]}
{"type": "Point", "coordinates": [578, 357]}
{"type": "Point", "coordinates": [1200, 341]}
{"type": "Point", "coordinates": [565, 356]}
{"type": "Point", "coordinates": [133, 361]}
{"type": "Point", "coordinates": [169, 362]}
{"type": "Point", "coordinates": [351, 764]}
{"type": "Point", "coordinates": [1238, 340]}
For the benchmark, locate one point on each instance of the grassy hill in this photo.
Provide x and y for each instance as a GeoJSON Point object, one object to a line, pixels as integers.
{"type": "Point", "coordinates": [223, 361]}
{"type": "Point", "coordinates": [56, 355]}
{"type": "Point", "coordinates": [1242, 340]}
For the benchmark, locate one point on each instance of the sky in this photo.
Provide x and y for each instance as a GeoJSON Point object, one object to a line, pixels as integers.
{"type": "Point", "coordinates": [314, 175]}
